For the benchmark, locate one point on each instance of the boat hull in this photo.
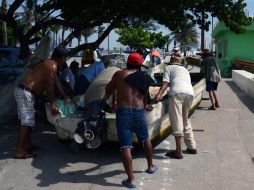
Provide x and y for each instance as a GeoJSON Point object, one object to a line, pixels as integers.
{"type": "Point", "coordinates": [157, 119]}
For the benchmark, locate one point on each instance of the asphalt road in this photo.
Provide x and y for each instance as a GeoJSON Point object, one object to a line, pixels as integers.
{"type": "Point", "coordinates": [225, 159]}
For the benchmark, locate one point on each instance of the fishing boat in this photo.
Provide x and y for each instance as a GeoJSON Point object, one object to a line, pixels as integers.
{"type": "Point", "coordinates": [157, 119]}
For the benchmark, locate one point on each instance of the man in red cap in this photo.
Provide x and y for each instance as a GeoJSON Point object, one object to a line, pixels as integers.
{"type": "Point", "coordinates": [130, 117]}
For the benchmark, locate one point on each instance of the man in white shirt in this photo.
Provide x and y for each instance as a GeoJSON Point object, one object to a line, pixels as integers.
{"type": "Point", "coordinates": [181, 93]}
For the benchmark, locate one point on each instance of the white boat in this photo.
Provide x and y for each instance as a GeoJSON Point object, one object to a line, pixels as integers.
{"type": "Point", "coordinates": [157, 119]}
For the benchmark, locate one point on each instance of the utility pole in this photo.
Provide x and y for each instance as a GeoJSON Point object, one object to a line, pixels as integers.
{"type": "Point", "coordinates": [212, 36]}
{"type": "Point", "coordinates": [108, 43]}
{"type": "Point", "coordinates": [203, 33]}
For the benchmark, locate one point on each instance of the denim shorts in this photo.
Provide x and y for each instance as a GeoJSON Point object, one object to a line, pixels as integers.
{"type": "Point", "coordinates": [210, 86]}
{"type": "Point", "coordinates": [129, 120]}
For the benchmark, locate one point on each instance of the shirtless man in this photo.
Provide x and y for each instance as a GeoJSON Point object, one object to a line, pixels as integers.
{"type": "Point", "coordinates": [130, 117]}
{"type": "Point", "coordinates": [40, 79]}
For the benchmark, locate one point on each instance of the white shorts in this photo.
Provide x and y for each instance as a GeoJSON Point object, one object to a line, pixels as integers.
{"type": "Point", "coordinates": [25, 107]}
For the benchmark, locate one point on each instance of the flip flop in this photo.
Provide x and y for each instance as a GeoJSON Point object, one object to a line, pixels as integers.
{"type": "Point", "coordinates": [172, 154]}
{"type": "Point", "coordinates": [25, 156]}
{"type": "Point", "coordinates": [127, 184]}
{"type": "Point", "coordinates": [152, 170]}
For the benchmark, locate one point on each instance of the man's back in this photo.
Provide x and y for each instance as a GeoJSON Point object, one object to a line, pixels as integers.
{"type": "Point", "coordinates": [38, 77]}
{"type": "Point", "coordinates": [127, 96]}
{"type": "Point", "coordinates": [210, 68]}
{"type": "Point", "coordinates": [179, 80]}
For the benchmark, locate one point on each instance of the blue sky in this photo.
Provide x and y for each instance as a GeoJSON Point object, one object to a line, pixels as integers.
{"type": "Point", "coordinates": [250, 6]}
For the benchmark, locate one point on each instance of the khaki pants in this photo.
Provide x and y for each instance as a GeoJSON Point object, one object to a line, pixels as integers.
{"type": "Point", "coordinates": [179, 106]}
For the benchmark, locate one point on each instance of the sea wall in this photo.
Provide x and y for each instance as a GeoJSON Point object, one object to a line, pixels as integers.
{"type": "Point", "coordinates": [245, 81]}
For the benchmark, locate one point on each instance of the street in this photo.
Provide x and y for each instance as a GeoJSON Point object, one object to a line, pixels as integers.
{"type": "Point", "coordinates": [225, 158]}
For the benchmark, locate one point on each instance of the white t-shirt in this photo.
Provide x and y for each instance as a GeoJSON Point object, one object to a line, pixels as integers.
{"type": "Point", "coordinates": [179, 80]}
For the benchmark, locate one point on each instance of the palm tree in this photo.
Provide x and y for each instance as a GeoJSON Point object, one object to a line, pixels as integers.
{"type": "Point", "coordinates": [55, 29]}
{"type": "Point", "coordinates": [86, 33]}
{"type": "Point", "coordinates": [168, 41]}
{"type": "Point", "coordinates": [187, 37]}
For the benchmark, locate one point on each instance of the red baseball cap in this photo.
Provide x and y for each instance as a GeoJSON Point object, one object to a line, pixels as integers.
{"type": "Point", "coordinates": [135, 59]}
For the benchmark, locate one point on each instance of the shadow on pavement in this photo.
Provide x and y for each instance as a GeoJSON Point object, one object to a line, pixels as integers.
{"type": "Point", "coordinates": [246, 100]}
{"type": "Point", "coordinates": [56, 163]}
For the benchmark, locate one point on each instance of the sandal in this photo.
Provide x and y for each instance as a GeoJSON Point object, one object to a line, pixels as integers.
{"type": "Point", "coordinates": [191, 151]}
{"type": "Point", "coordinates": [127, 184]}
{"type": "Point", "coordinates": [152, 170]}
{"type": "Point", "coordinates": [25, 156]}
{"type": "Point", "coordinates": [172, 154]}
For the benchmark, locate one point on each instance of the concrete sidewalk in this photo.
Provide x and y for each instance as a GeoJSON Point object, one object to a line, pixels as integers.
{"type": "Point", "coordinates": [225, 159]}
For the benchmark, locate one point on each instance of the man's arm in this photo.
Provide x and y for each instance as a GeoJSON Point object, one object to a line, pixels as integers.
{"type": "Point", "coordinates": [147, 102]}
{"type": "Point", "coordinates": [50, 80]}
{"type": "Point", "coordinates": [164, 86]}
{"type": "Point", "coordinates": [202, 67]}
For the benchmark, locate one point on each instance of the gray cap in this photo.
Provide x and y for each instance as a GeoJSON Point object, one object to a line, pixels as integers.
{"type": "Point", "coordinates": [59, 52]}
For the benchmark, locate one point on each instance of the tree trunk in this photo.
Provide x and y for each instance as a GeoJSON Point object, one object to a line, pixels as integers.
{"type": "Point", "coordinates": [5, 42]}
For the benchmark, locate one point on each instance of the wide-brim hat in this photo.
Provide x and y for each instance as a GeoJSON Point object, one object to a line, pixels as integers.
{"type": "Point", "coordinates": [169, 60]}
{"type": "Point", "coordinates": [204, 52]}
{"type": "Point", "coordinates": [59, 52]}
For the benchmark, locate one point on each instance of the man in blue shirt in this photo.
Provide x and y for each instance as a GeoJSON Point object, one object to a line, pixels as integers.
{"type": "Point", "coordinates": [68, 77]}
{"type": "Point", "coordinates": [88, 74]}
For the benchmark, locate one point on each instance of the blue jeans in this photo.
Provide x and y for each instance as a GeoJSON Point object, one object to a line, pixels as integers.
{"type": "Point", "coordinates": [129, 120]}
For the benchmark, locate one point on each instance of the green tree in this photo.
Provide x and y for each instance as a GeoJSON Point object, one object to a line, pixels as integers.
{"type": "Point", "coordinates": [78, 15]}
{"type": "Point", "coordinates": [139, 37]}
{"type": "Point", "coordinates": [159, 41]}
{"type": "Point", "coordinates": [134, 37]}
